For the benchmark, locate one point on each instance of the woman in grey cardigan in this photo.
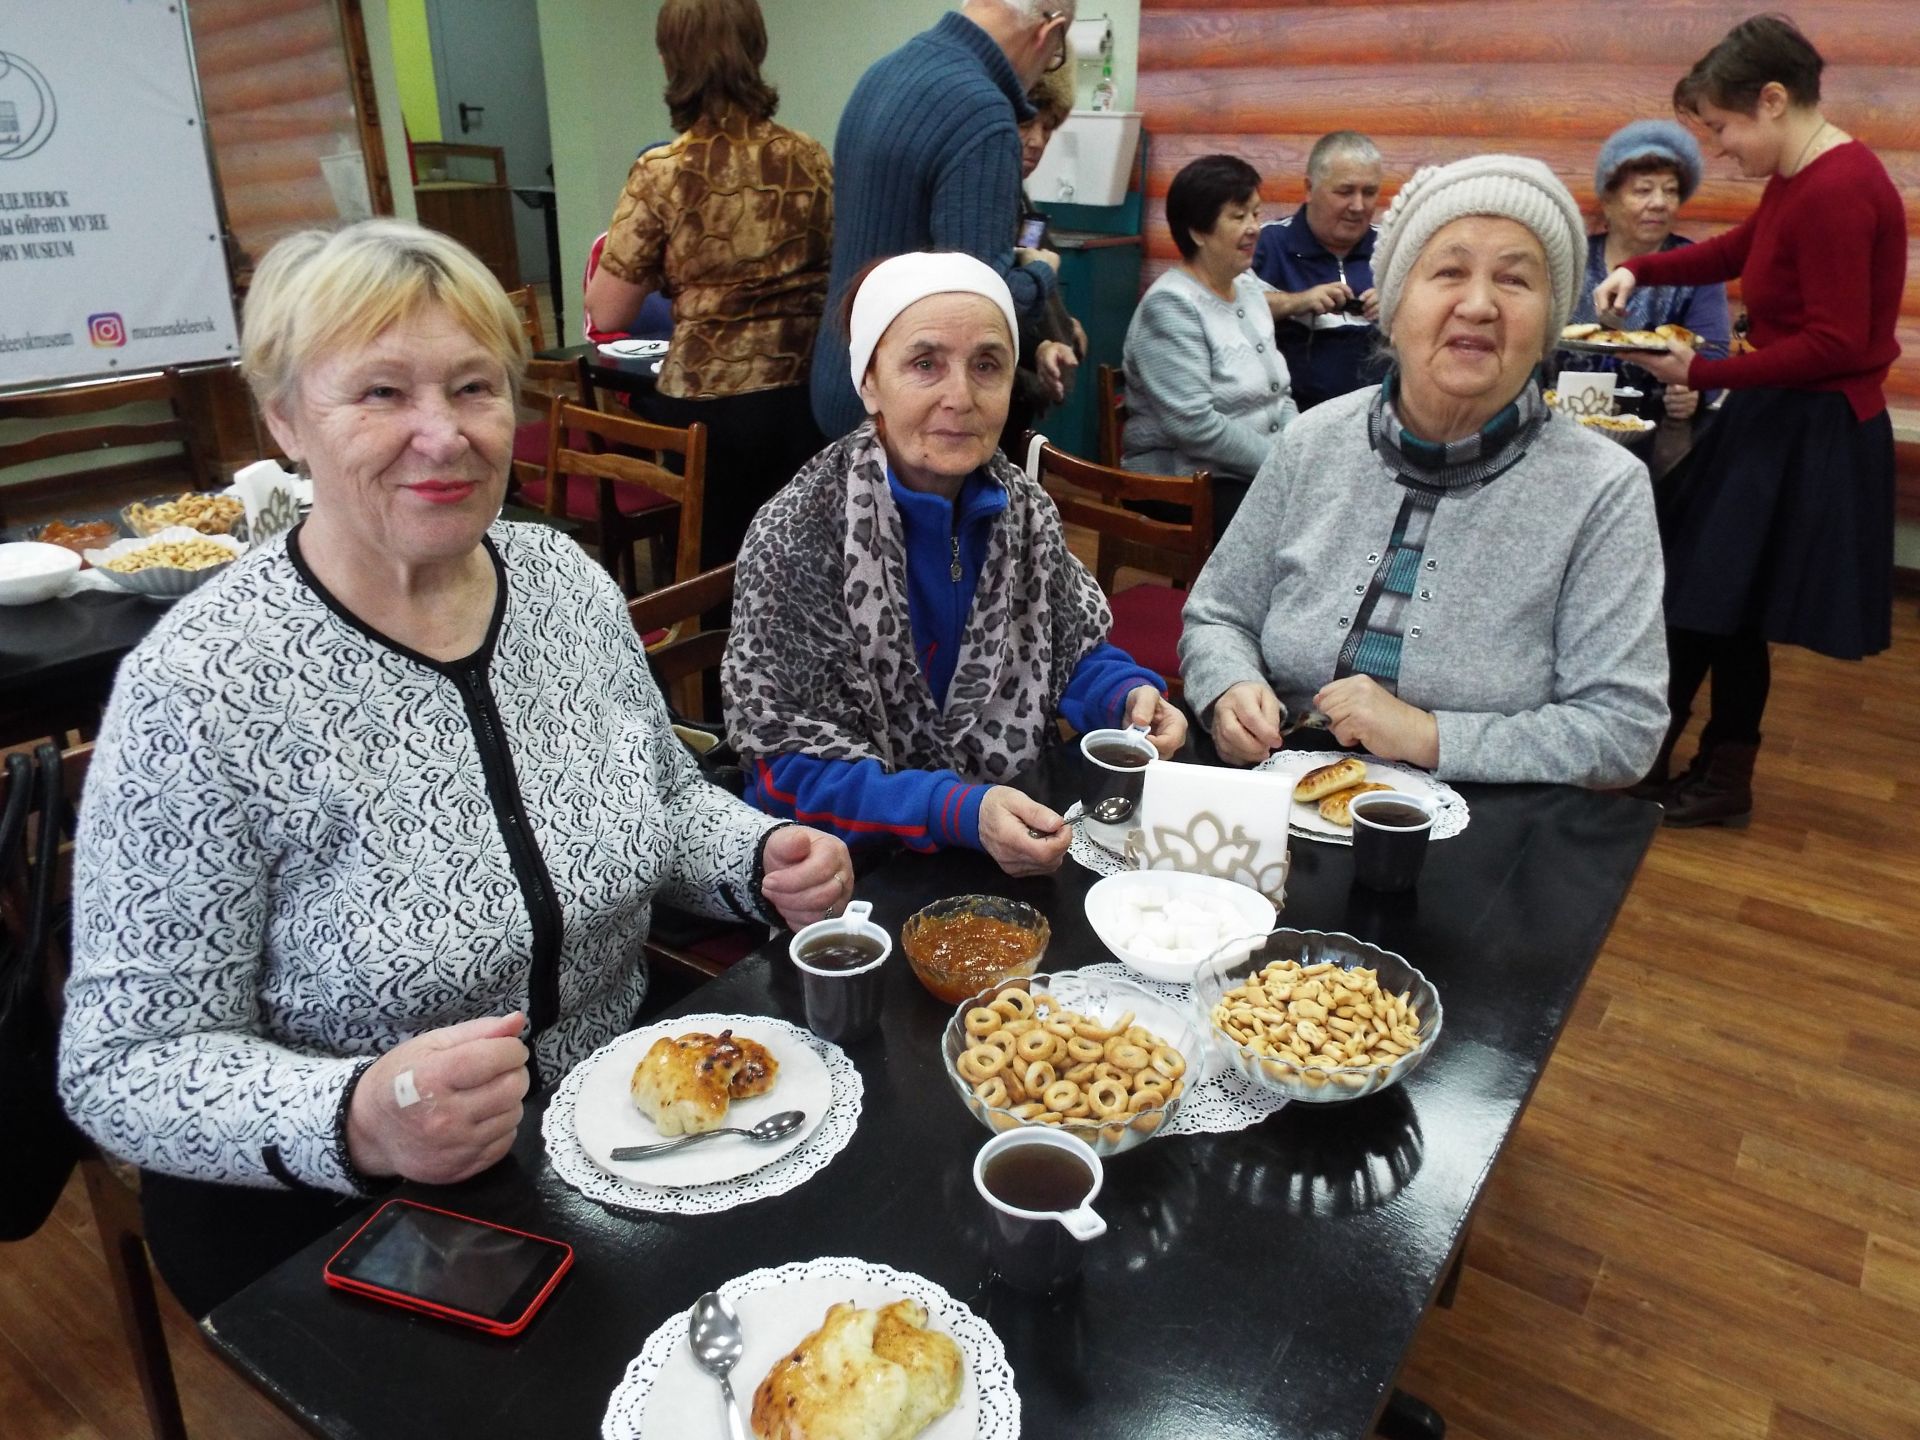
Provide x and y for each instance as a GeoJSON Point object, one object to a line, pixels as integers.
{"type": "Point", "coordinates": [379, 816]}
{"type": "Point", "coordinates": [1454, 575]}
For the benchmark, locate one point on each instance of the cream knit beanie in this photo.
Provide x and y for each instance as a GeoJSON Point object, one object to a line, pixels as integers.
{"type": "Point", "coordinates": [1510, 186]}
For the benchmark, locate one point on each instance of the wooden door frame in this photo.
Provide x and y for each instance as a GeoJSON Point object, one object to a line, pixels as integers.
{"type": "Point", "coordinates": [366, 104]}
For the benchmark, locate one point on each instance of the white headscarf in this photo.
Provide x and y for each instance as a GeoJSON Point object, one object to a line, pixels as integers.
{"type": "Point", "coordinates": [897, 283]}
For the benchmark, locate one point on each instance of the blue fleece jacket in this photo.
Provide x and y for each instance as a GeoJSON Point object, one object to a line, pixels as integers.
{"type": "Point", "coordinates": [927, 157]}
{"type": "Point", "coordinates": [929, 809]}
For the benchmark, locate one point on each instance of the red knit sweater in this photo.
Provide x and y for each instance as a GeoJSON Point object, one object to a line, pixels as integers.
{"type": "Point", "coordinates": [1822, 264]}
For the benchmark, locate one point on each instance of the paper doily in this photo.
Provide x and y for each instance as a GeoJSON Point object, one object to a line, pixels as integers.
{"type": "Point", "coordinates": [1451, 811]}
{"type": "Point", "coordinates": [1222, 1103]}
{"type": "Point", "coordinates": [1090, 854]}
{"type": "Point", "coordinates": [990, 1377]}
{"type": "Point", "coordinates": [828, 1140]}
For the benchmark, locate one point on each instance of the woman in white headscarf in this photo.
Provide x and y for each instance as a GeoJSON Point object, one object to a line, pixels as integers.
{"type": "Point", "coordinates": [908, 622]}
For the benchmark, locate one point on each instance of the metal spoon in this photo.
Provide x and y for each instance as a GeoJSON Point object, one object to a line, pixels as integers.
{"type": "Point", "coordinates": [774, 1127]}
{"type": "Point", "coordinates": [1306, 720]}
{"type": "Point", "coordinates": [1110, 811]}
{"type": "Point", "coordinates": [713, 1334]}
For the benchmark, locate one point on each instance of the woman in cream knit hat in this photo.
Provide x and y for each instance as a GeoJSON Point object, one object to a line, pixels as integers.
{"type": "Point", "coordinates": [1454, 576]}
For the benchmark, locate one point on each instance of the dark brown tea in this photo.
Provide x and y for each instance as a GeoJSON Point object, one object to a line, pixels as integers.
{"type": "Point", "coordinates": [840, 952]}
{"type": "Point", "coordinates": [1121, 757]}
{"type": "Point", "coordinates": [1393, 813]}
{"type": "Point", "coordinates": [1038, 1177]}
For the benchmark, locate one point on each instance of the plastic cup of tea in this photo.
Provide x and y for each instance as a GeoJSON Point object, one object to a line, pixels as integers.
{"type": "Point", "coordinates": [1114, 779]}
{"type": "Point", "coordinates": [841, 962]}
{"type": "Point", "coordinates": [1039, 1186]}
{"type": "Point", "coordinates": [1390, 833]}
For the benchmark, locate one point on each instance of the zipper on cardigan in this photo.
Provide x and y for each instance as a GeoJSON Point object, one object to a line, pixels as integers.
{"type": "Point", "coordinates": [953, 570]}
{"type": "Point", "coordinates": [529, 868]}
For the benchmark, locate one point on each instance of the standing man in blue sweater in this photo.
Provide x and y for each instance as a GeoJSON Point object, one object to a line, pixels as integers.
{"type": "Point", "coordinates": [928, 158]}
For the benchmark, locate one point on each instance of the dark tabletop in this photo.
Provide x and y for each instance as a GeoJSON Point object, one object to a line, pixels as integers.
{"type": "Point", "coordinates": [622, 374]}
{"type": "Point", "coordinates": [1264, 1283]}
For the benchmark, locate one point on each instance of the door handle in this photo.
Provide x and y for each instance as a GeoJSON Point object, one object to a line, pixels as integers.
{"type": "Point", "coordinates": [470, 117]}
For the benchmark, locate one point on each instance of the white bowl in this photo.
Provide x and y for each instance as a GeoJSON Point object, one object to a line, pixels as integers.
{"type": "Point", "coordinates": [31, 572]}
{"type": "Point", "coordinates": [1106, 901]}
{"type": "Point", "coordinates": [162, 582]}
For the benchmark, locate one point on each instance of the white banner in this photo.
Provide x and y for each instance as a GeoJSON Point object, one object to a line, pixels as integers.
{"type": "Point", "coordinates": [110, 253]}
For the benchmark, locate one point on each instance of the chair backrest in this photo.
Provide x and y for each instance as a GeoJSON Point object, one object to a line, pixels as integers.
{"type": "Point", "coordinates": [618, 451]}
{"type": "Point", "coordinates": [527, 305]}
{"type": "Point", "coordinates": [685, 650]}
{"type": "Point", "coordinates": [96, 399]}
{"type": "Point", "coordinates": [1097, 497]}
{"type": "Point", "coordinates": [1112, 400]}
{"type": "Point", "coordinates": [545, 382]}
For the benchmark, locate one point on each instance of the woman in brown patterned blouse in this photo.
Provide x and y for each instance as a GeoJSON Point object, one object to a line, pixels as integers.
{"type": "Point", "coordinates": [733, 221]}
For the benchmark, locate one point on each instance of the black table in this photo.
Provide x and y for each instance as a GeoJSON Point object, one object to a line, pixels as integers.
{"type": "Point", "coordinates": [58, 659]}
{"type": "Point", "coordinates": [629, 377]}
{"type": "Point", "coordinates": [1265, 1283]}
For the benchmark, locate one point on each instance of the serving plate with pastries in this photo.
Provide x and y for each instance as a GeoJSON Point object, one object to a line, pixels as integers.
{"type": "Point", "coordinates": [1589, 338]}
{"type": "Point", "coordinates": [678, 1078]}
{"type": "Point", "coordinates": [1327, 782]}
{"type": "Point", "coordinates": [835, 1349]}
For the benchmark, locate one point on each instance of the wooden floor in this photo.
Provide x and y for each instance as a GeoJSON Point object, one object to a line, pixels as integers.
{"type": "Point", "coordinates": [1708, 1225]}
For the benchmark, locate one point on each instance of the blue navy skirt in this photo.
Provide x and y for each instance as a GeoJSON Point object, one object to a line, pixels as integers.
{"type": "Point", "coordinates": [1781, 521]}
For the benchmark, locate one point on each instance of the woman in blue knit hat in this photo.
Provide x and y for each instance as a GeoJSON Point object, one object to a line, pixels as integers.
{"type": "Point", "coordinates": [1647, 170]}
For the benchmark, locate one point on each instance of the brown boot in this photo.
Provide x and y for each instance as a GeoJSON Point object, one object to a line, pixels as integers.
{"type": "Point", "coordinates": [1658, 782]}
{"type": "Point", "coordinates": [1716, 792]}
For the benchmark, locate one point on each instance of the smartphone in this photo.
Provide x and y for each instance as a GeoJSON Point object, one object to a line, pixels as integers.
{"type": "Point", "coordinates": [453, 1266]}
{"type": "Point", "coordinates": [1031, 229]}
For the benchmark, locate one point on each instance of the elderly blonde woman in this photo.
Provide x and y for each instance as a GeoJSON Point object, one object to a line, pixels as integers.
{"type": "Point", "coordinates": [1454, 575]}
{"type": "Point", "coordinates": [907, 620]}
{"type": "Point", "coordinates": [377, 818]}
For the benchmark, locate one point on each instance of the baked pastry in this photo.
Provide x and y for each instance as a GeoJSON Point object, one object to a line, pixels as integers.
{"type": "Point", "coordinates": [1583, 331]}
{"type": "Point", "coordinates": [684, 1082]}
{"type": "Point", "coordinates": [1680, 333]}
{"type": "Point", "coordinates": [1324, 781]}
{"type": "Point", "coordinates": [863, 1375]}
{"type": "Point", "coordinates": [758, 1070]}
{"type": "Point", "coordinates": [1337, 809]}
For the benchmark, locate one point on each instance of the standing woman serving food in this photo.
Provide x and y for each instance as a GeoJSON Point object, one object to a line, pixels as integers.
{"type": "Point", "coordinates": [1780, 527]}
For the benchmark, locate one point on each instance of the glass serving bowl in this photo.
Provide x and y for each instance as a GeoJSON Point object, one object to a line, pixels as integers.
{"type": "Point", "coordinates": [960, 970]}
{"type": "Point", "coordinates": [1315, 1083]}
{"type": "Point", "coordinates": [1099, 999]}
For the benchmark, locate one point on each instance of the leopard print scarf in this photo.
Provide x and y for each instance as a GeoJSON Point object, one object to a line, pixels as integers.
{"type": "Point", "coordinates": [821, 659]}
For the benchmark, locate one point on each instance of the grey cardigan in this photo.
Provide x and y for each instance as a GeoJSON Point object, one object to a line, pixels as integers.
{"type": "Point", "coordinates": [1535, 634]}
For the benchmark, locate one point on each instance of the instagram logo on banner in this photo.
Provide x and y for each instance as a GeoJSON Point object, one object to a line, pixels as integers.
{"type": "Point", "coordinates": [106, 329]}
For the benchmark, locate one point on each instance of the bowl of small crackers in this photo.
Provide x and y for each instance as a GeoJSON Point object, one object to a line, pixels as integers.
{"type": "Point", "coordinates": [1095, 1058]}
{"type": "Point", "coordinates": [194, 510]}
{"type": "Point", "coordinates": [1316, 1015]}
{"type": "Point", "coordinates": [166, 564]}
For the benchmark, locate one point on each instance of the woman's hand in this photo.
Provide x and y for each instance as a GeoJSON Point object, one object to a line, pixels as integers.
{"type": "Point", "coordinates": [1166, 726]}
{"type": "Point", "coordinates": [1006, 817]}
{"type": "Point", "coordinates": [1079, 338]}
{"type": "Point", "coordinates": [1611, 294]}
{"type": "Point", "coordinates": [1681, 402]}
{"type": "Point", "coordinates": [1056, 365]}
{"type": "Point", "coordinates": [1025, 255]}
{"type": "Point", "coordinates": [1364, 713]}
{"type": "Point", "coordinates": [806, 875]}
{"type": "Point", "coordinates": [442, 1106]}
{"type": "Point", "coordinates": [1670, 367]}
{"type": "Point", "coordinates": [1246, 723]}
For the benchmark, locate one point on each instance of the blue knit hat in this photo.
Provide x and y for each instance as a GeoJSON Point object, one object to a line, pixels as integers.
{"type": "Point", "coordinates": [1650, 139]}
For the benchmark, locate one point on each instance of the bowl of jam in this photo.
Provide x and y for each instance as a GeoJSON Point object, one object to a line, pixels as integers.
{"type": "Point", "coordinates": [967, 943]}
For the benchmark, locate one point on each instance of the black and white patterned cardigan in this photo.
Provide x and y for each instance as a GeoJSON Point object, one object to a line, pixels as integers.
{"type": "Point", "coordinates": [302, 844]}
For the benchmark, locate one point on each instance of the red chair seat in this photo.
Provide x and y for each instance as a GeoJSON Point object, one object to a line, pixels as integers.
{"type": "Point", "coordinates": [583, 497]}
{"type": "Point", "coordinates": [1146, 624]}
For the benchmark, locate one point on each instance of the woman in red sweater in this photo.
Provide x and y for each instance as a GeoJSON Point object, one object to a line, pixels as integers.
{"type": "Point", "coordinates": [1780, 525]}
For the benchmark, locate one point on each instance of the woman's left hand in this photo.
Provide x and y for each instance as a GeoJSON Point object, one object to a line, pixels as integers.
{"type": "Point", "coordinates": [1681, 402]}
{"type": "Point", "coordinates": [1669, 368]}
{"type": "Point", "coordinates": [1364, 713]}
{"type": "Point", "coordinates": [1166, 726]}
{"type": "Point", "coordinates": [808, 875]}
{"type": "Point", "coordinates": [1056, 363]}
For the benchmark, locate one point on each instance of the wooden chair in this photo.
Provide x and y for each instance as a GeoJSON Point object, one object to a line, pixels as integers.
{"type": "Point", "coordinates": [100, 439]}
{"type": "Point", "coordinates": [597, 471]}
{"type": "Point", "coordinates": [682, 655]}
{"type": "Point", "coordinates": [1146, 617]}
{"type": "Point", "coordinates": [113, 1188]}
{"type": "Point", "coordinates": [1112, 399]}
{"type": "Point", "coordinates": [528, 304]}
{"type": "Point", "coordinates": [545, 382]}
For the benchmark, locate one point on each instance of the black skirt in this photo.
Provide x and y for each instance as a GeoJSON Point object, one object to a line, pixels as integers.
{"type": "Point", "coordinates": [1781, 522]}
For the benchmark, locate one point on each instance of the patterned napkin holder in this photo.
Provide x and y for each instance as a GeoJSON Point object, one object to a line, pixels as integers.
{"type": "Point", "coordinates": [274, 498]}
{"type": "Point", "coordinates": [1206, 820]}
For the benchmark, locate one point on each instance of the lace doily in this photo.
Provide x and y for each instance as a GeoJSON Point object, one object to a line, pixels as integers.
{"type": "Point", "coordinates": [1090, 854]}
{"type": "Point", "coordinates": [1226, 1100]}
{"type": "Point", "coordinates": [1451, 811]}
{"type": "Point", "coordinates": [987, 1390]}
{"type": "Point", "coordinates": [827, 1140]}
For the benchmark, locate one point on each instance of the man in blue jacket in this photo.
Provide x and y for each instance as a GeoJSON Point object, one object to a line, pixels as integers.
{"type": "Point", "coordinates": [1319, 261]}
{"type": "Point", "coordinates": [927, 157]}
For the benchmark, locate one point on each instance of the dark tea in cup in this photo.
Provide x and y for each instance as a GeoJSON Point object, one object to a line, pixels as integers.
{"type": "Point", "coordinates": [1116, 773]}
{"type": "Point", "coordinates": [1390, 833]}
{"type": "Point", "coordinates": [1039, 1186]}
{"type": "Point", "coordinates": [842, 965]}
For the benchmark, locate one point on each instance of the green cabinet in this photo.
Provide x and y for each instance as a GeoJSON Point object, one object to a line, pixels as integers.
{"type": "Point", "coordinates": [1100, 282]}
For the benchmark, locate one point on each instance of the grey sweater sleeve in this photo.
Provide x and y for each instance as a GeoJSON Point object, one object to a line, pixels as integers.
{"type": "Point", "coordinates": [1608, 712]}
{"type": "Point", "coordinates": [1227, 606]}
{"type": "Point", "coordinates": [1168, 366]}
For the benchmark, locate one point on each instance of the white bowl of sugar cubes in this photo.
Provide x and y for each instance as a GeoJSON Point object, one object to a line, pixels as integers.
{"type": "Point", "coordinates": [1162, 923]}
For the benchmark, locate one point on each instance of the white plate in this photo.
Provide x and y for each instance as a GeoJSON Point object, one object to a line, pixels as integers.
{"type": "Point", "coordinates": [634, 349]}
{"type": "Point", "coordinates": [1255, 912]}
{"type": "Point", "coordinates": [605, 1116]}
{"type": "Point", "coordinates": [1612, 347]}
{"type": "Point", "coordinates": [1305, 822]}
{"type": "Point", "coordinates": [665, 1396]}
